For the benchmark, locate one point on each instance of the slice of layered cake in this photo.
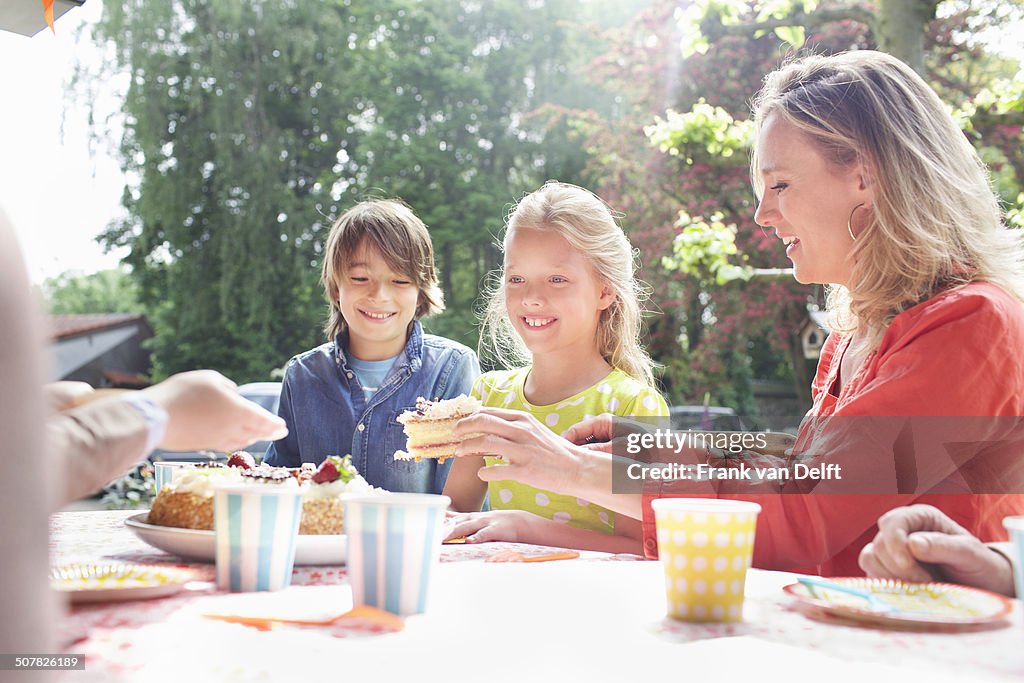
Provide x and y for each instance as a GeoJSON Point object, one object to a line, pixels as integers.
{"type": "Point", "coordinates": [430, 427]}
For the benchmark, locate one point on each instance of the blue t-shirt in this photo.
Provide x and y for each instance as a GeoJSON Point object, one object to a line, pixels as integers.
{"type": "Point", "coordinates": [370, 373]}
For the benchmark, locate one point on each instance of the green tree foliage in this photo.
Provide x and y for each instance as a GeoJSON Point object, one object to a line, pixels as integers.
{"type": "Point", "coordinates": [108, 291]}
{"type": "Point", "coordinates": [225, 131]}
{"type": "Point", "coordinates": [704, 130]}
{"type": "Point", "coordinates": [251, 124]}
{"type": "Point", "coordinates": [705, 249]}
{"type": "Point", "coordinates": [896, 26]}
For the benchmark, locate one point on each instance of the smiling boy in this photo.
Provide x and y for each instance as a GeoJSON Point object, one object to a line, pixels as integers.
{"type": "Point", "coordinates": [343, 397]}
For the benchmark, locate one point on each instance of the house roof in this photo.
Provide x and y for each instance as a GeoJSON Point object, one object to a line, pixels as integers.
{"type": "Point", "coordinates": [64, 326]}
{"type": "Point", "coordinates": [126, 379]}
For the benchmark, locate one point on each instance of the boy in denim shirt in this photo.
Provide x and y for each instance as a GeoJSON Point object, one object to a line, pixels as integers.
{"type": "Point", "coordinates": [343, 396]}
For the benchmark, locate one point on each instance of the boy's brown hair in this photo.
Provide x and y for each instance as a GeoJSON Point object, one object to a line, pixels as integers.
{"type": "Point", "coordinates": [401, 239]}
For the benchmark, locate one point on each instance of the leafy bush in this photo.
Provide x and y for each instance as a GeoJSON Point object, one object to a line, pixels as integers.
{"type": "Point", "coordinates": [133, 490]}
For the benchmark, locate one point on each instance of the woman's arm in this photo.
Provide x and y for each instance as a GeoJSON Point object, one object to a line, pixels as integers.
{"type": "Point", "coordinates": [95, 444]}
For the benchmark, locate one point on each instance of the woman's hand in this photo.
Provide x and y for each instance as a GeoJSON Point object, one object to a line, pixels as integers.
{"type": "Point", "coordinates": [536, 456]}
{"type": "Point", "coordinates": [205, 410]}
{"type": "Point", "coordinates": [609, 433]}
{"type": "Point", "coordinates": [593, 432]}
{"type": "Point", "coordinates": [65, 395]}
{"type": "Point", "coordinates": [496, 525]}
{"type": "Point", "coordinates": [533, 454]}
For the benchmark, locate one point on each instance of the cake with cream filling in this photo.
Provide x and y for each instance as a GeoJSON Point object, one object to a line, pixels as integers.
{"type": "Point", "coordinates": [430, 428]}
{"type": "Point", "coordinates": [187, 502]}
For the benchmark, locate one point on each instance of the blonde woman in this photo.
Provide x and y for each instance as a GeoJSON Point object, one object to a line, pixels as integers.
{"type": "Point", "coordinates": [566, 315]}
{"type": "Point", "coordinates": [875, 192]}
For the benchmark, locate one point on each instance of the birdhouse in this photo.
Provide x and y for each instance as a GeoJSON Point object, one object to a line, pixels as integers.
{"type": "Point", "coordinates": [814, 333]}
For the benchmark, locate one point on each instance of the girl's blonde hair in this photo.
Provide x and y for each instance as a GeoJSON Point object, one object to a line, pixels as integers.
{"type": "Point", "coordinates": [935, 222]}
{"type": "Point", "coordinates": [401, 239]}
{"type": "Point", "coordinates": [587, 224]}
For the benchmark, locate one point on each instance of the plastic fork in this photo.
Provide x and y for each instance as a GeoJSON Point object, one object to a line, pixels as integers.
{"type": "Point", "coordinates": [876, 603]}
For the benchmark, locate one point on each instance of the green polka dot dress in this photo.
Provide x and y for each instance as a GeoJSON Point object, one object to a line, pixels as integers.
{"type": "Point", "coordinates": [618, 394]}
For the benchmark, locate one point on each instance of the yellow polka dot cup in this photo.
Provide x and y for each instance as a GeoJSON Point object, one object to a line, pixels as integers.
{"type": "Point", "coordinates": [705, 546]}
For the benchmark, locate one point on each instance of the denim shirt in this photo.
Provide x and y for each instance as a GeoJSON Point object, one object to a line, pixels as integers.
{"type": "Point", "coordinates": [328, 414]}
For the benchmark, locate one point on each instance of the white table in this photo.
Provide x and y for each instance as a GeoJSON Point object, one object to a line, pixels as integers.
{"type": "Point", "coordinates": [585, 619]}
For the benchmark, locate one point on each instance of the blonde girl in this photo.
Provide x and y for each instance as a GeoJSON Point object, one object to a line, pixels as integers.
{"type": "Point", "coordinates": [566, 315]}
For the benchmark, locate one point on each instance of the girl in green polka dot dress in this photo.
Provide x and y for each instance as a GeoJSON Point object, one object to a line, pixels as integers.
{"type": "Point", "coordinates": [566, 314]}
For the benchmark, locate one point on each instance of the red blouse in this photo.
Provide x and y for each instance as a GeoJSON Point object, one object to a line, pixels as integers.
{"type": "Point", "coordinates": [958, 357]}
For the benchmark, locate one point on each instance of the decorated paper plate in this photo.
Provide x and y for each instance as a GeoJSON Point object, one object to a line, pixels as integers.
{"type": "Point", "coordinates": [904, 602]}
{"type": "Point", "coordinates": [197, 544]}
{"type": "Point", "coordinates": [91, 582]}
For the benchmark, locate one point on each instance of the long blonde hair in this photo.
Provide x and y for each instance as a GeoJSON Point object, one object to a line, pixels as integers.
{"type": "Point", "coordinates": [587, 224]}
{"type": "Point", "coordinates": [935, 223]}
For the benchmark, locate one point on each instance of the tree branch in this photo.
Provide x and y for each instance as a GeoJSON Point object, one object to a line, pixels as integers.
{"type": "Point", "coordinates": [985, 119]}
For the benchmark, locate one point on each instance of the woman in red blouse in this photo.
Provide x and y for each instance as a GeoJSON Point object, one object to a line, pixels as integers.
{"type": "Point", "coordinates": [875, 192]}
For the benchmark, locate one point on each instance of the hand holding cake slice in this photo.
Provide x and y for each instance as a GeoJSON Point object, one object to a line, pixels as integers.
{"type": "Point", "coordinates": [430, 427]}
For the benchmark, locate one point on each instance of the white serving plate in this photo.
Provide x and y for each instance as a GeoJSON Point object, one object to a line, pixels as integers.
{"type": "Point", "coordinates": [196, 544]}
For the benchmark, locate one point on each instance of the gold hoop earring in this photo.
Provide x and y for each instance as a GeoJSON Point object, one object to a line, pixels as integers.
{"type": "Point", "coordinates": [849, 222]}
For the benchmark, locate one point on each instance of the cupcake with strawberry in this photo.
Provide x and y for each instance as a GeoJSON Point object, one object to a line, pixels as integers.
{"type": "Point", "coordinates": [321, 497]}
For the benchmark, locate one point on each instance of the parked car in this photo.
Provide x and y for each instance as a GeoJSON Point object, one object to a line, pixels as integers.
{"type": "Point", "coordinates": [705, 418]}
{"type": "Point", "coordinates": [265, 394]}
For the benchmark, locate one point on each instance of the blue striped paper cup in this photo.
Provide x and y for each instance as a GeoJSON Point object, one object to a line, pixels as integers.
{"type": "Point", "coordinates": [394, 542]}
{"type": "Point", "coordinates": [164, 471]}
{"type": "Point", "coordinates": [1015, 527]}
{"type": "Point", "coordinates": [255, 528]}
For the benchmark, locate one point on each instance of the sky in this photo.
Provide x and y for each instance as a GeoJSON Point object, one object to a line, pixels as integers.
{"type": "Point", "coordinates": [58, 196]}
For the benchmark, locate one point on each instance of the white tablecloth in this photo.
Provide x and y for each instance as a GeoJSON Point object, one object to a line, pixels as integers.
{"type": "Point", "coordinates": [585, 619]}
